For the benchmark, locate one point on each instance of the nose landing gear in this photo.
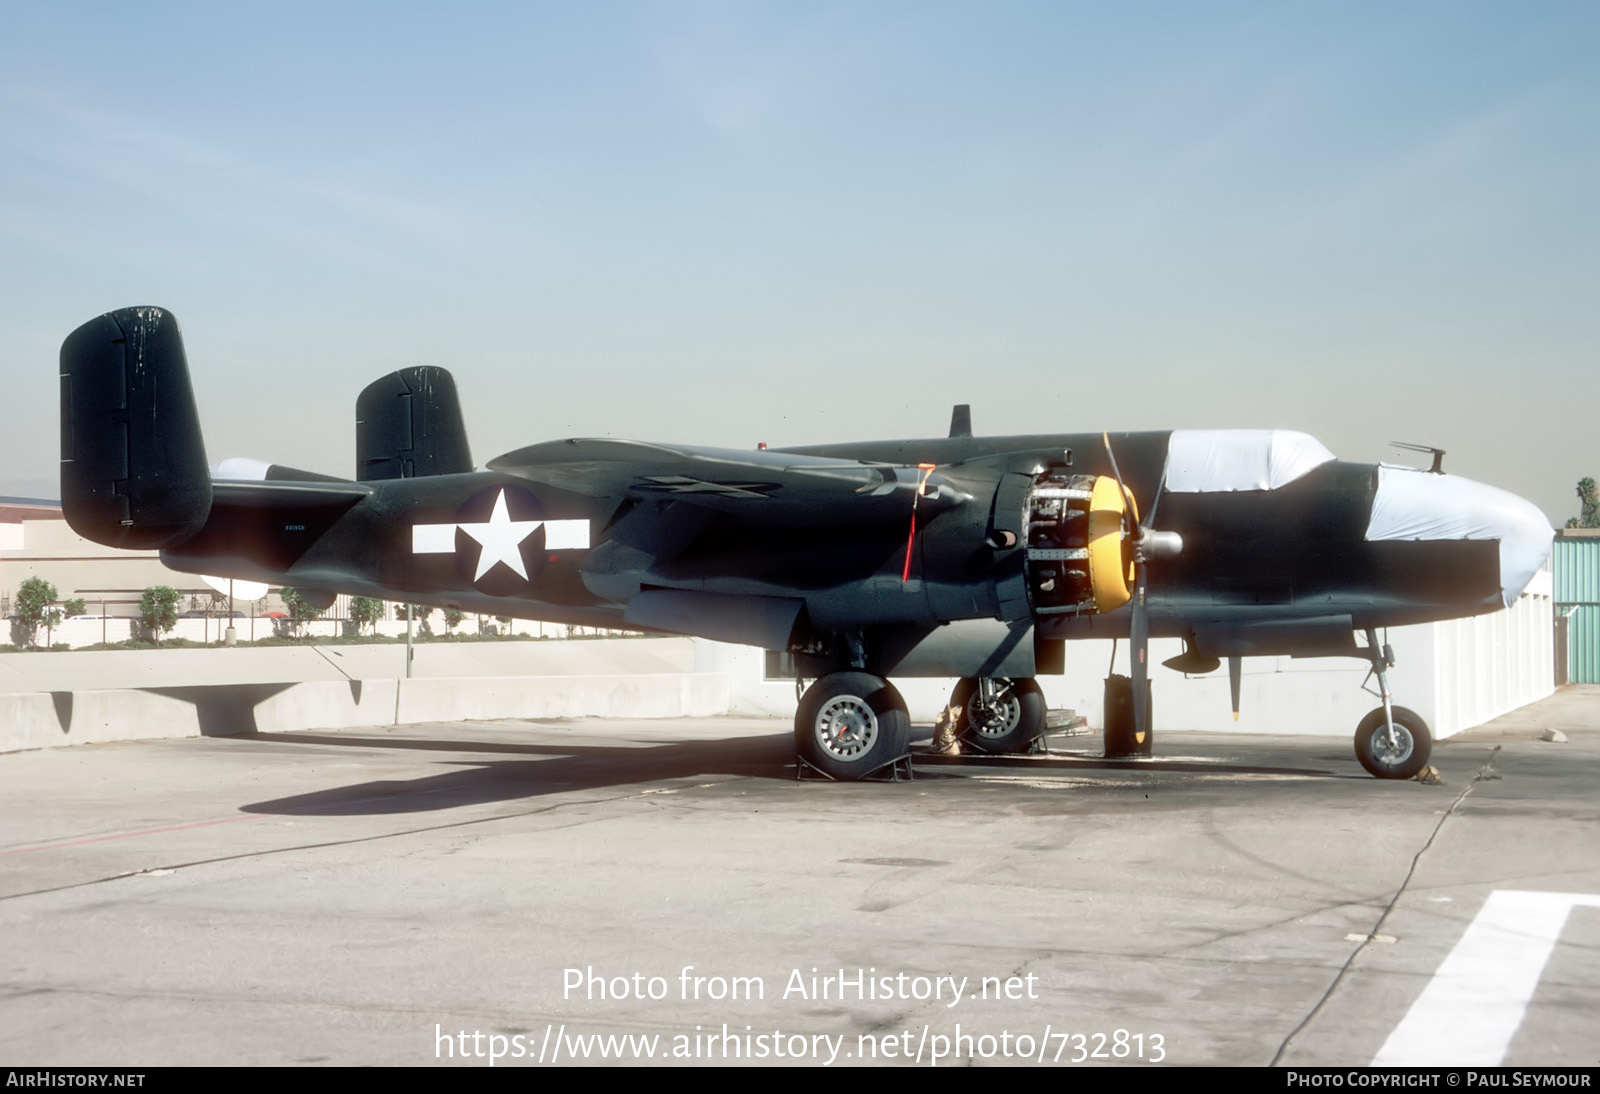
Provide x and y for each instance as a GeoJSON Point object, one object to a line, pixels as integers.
{"type": "Point", "coordinates": [1391, 742]}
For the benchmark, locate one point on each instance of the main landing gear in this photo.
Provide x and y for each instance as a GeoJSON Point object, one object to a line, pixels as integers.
{"type": "Point", "coordinates": [999, 714]}
{"type": "Point", "coordinates": [852, 724]}
{"type": "Point", "coordinates": [1391, 742]}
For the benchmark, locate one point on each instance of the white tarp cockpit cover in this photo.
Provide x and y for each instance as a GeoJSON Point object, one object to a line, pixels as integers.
{"type": "Point", "coordinates": [1204, 461]}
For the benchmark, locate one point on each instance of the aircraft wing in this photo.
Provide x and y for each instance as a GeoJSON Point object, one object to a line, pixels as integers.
{"type": "Point", "coordinates": [761, 485]}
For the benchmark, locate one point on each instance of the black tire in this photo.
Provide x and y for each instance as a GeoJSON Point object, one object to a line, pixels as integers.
{"type": "Point", "coordinates": [849, 724]}
{"type": "Point", "coordinates": [1414, 743]}
{"type": "Point", "coordinates": [1013, 725]}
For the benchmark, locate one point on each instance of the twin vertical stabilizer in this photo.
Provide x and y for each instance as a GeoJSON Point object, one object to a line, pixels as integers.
{"type": "Point", "coordinates": [133, 465]}
{"type": "Point", "coordinates": [408, 425]}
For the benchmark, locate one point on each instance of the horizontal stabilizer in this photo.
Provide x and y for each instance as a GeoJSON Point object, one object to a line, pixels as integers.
{"type": "Point", "coordinates": [269, 524]}
{"type": "Point", "coordinates": [408, 425]}
{"type": "Point", "coordinates": [244, 469]}
{"type": "Point", "coordinates": [133, 465]}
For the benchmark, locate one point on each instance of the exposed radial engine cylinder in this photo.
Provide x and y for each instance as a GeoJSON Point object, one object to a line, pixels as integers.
{"type": "Point", "coordinates": [1076, 529]}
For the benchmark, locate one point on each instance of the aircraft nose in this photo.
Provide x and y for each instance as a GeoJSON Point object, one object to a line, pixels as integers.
{"type": "Point", "coordinates": [1412, 504]}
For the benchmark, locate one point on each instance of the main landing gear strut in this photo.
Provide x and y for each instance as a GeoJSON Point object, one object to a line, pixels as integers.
{"type": "Point", "coordinates": [1391, 742]}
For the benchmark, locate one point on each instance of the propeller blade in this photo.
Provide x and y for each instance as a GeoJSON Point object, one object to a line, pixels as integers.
{"type": "Point", "coordinates": [1147, 543]}
{"type": "Point", "coordinates": [1112, 456]}
{"type": "Point", "coordinates": [1154, 544]}
{"type": "Point", "coordinates": [1233, 683]}
{"type": "Point", "coordinates": [1139, 648]}
{"type": "Point", "coordinates": [1155, 503]}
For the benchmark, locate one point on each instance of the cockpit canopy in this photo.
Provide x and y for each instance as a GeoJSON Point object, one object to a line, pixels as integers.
{"type": "Point", "coordinates": [1205, 461]}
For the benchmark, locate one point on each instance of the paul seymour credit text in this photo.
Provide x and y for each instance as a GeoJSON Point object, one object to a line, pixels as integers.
{"type": "Point", "coordinates": [561, 1042]}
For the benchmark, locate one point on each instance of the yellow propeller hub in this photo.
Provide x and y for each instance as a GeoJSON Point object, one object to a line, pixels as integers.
{"type": "Point", "coordinates": [1110, 568]}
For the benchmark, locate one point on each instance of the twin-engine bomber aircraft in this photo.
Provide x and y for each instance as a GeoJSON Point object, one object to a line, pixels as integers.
{"type": "Point", "coordinates": [960, 556]}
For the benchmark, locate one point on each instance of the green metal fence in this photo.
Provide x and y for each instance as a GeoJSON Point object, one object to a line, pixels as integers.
{"type": "Point", "coordinates": [1575, 570]}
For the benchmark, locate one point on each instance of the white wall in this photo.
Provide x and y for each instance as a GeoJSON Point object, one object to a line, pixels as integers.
{"type": "Point", "coordinates": [1493, 664]}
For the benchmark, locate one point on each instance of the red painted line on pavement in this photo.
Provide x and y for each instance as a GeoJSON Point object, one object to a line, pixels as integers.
{"type": "Point", "coordinates": [129, 835]}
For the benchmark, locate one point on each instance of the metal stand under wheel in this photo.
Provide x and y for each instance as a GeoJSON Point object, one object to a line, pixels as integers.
{"type": "Point", "coordinates": [896, 770]}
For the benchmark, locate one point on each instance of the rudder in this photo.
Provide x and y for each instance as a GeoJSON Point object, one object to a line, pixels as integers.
{"type": "Point", "coordinates": [408, 425]}
{"type": "Point", "coordinates": [133, 463]}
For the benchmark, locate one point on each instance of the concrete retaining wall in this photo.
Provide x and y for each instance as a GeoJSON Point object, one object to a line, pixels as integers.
{"type": "Point", "coordinates": [49, 700]}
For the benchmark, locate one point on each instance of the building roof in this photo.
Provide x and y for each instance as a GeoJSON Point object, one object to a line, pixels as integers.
{"type": "Point", "coordinates": [17, 510]}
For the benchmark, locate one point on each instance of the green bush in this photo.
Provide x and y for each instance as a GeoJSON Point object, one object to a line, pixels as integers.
{"type": "Point", "coordinates": [158, 611]}
{"type": "Point", "coordinates": [32, 606]}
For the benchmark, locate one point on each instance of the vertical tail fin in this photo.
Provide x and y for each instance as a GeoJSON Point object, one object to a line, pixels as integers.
{"type": "Point", "coordinates": [133, 464]}
{"type": "Point", "coordinates": [961, 420]}
{"type": "Point", "coordinates": [408, 424]}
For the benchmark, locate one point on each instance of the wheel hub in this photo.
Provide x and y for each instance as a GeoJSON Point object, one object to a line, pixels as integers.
{"type": "Point", "coordinates": [846, 726]}
{"type": "Point", "coordinates": [995, 718]}
{"type": "Point", "coordinates": [1392, 755]}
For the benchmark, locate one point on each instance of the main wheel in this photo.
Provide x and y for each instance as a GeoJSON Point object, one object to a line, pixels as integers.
{"type": "Point", "coordinates": [849, 724]}
{"type": "Point", "coordinates": [1008, 724]}
{"type": "Point", "coordinates": [1406, 756]}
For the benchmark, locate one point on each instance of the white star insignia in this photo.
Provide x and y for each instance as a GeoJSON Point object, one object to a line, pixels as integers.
{"type": "Point", "coordinates": [501, 537]}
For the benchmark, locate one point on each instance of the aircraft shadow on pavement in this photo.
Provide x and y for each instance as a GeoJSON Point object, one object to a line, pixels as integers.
{"type": "Point", "coordinates": [546, 769]}
{"type": "Point", "coordinates": [559, 768]}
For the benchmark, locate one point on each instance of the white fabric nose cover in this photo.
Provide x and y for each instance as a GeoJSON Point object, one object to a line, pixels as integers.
{"type": "Point", "coordinates": [1412, 504]}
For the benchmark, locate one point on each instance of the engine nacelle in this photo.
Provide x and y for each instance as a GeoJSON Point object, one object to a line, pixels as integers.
{"type": "Point", "coordinates": [1079, 558]}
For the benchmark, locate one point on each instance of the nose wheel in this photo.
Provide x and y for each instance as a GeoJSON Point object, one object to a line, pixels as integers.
{"type": "Point", "coordinates": [1401, 754]}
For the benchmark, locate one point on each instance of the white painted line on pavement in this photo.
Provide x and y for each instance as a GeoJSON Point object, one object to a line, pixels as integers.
{"type": "Point", "coordinates": [1471, 1009]}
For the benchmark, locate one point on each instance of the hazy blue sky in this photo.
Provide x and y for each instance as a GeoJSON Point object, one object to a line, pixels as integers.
{"type": "Point", "coordinates": [799, 222]}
